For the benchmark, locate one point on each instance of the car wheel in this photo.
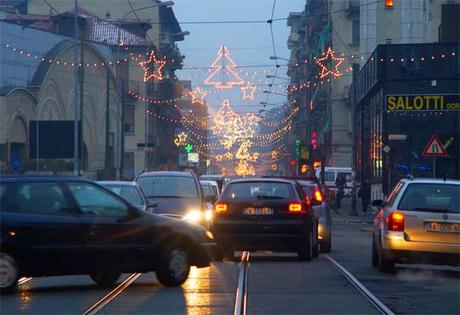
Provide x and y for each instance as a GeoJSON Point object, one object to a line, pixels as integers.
{"type": "Point", "coordinates": [174, 265]}
{"type": "Point", "coordinates": [305, 252]}
{"type": "Point", "coordinates": [375, 255]}
{"type": "Point", "coordinates": [326, 244]}
{"type": "Point", "coordinates": [385, 264]}
{"type": "Point", "coordinates": [105, 278]}
{"type": "Point", "coordinates": [9, 274]}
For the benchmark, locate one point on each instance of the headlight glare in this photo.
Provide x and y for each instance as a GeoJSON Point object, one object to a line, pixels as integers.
{"type": "Point", "coordinates": [193, 216]}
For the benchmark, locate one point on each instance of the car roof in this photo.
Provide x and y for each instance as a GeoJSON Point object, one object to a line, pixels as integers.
{"type": "Point", "coordinates": [431, 181]}
{"type": "Point", "coordinates": [167, 173]}
{"type": "Point", "coordinates": [26, 178]}
{"type": "Point", "coordinates": [262, 179]}
{"type": "Point", "coordinates": [117, 182]}
{"type": "Point", "coordinates": [307, 182]}
{"type": "Point", "coordinates": [210, 182]}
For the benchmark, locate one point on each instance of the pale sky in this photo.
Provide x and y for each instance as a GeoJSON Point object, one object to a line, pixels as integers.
{"type": "Point", "coordinates": [248, 44]}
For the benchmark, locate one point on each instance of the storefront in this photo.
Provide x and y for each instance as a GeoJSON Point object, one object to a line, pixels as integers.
{"type": "Point", "coordinates": [404, 96]}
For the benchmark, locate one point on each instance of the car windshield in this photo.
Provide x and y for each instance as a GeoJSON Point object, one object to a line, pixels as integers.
{"type": "Point", "coordinates": [258, 191]}
{"type": "Point", "coordinates": [129, 193]}
{"type": "Point", "coordinates": [168, 186]}
{"type": "Point", "coordinates": [431, 197]}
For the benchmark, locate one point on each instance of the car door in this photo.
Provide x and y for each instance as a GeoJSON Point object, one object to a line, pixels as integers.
{"type": "Point", "coordinates": [117, 238]}
{"type": "Point", "coordinates": [45, 227]}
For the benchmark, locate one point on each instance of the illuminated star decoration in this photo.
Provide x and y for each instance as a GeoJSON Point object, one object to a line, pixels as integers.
{"type": "Point", "coordinates": [198, 96]}
{"type": "Point", "coordinates": [335, 64]}
{"type": "Point", "coordinates": [152, 67]}
{"type": "Point", "coordinates": [224, 76]}
{"type": "Point", "coordinates": [248, 91]}
{"type": "Point", "coordinates": [181, 139]}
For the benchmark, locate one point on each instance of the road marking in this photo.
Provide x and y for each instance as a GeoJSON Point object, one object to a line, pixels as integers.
{"type": "Point", "coordinates": [96, 307]}
{"type": "Point", "coordinates": [242, 290]}
{"type": "Point", "coordinates": [375, 302]}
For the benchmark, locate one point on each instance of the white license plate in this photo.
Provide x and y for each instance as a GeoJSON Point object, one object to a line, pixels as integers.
{"type": "Point", "coordinates": [442, 227]}
{"type": "Point", "coordinates": [258, 211]}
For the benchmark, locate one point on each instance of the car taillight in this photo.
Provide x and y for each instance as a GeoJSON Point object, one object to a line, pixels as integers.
{"type": "Point", "coordinates": [308, 201]}
{"type": "Point", "coordinates": [318, 196]}
{"type": "Point", "coordinates": [220, 207]}
{"type": "Point", "coordinates": [396, 222]}
{"type": "Point", "coordinates": [295, 207]}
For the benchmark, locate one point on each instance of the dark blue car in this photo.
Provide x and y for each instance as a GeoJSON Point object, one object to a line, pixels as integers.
{"type": "Point", "coordinates": [69, 225]}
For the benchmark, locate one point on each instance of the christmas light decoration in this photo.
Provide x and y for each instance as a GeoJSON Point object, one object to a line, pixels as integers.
{"type": "Point", "coordinates": [181, 139]}
{"type": "Point", "coordinates": [248, 91]}
{"type": "Point", "coordinates": [198, 96]}
{"type": "Point", "coordinates": [152, 67]}
{"type": "Point", "coordinates": [223, 68]}
{"type": "Point", "coordinates": [335, 64]}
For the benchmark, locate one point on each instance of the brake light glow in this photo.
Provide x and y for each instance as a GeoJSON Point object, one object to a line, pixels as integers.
{"type": "Point", "coordinates": [318, 196]}
{"type": "Point", "coordinates": [307, 200]}
{"type": "Point", "coordinates": [396, 222]}
{"type": "Point", "coordinates": [220, 207]}
{"type": "Point", "coordinates": [295, 207]}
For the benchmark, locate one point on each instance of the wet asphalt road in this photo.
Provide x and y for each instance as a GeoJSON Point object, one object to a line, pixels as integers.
{"type": "Point", "coordinates": [277, 284]}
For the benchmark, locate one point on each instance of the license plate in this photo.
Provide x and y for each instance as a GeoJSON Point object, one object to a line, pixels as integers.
{"type": "Point", "coordinates": [442, 227]}
{"type": "Point", "coordinates": [257, 211]}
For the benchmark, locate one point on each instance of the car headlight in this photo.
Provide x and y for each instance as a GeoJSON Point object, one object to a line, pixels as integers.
{"type": "Point", "coordinates": [193, 216]}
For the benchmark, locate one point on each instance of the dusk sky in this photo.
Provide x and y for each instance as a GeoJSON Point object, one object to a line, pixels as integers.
{"type": "Point", "coordinates": [248, 44]}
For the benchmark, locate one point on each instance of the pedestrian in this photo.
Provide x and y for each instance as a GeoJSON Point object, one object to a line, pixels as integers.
{"type": "Point", "coordinates": [365, 194]}
{"type": "Point", "coordinates": [340, 183]}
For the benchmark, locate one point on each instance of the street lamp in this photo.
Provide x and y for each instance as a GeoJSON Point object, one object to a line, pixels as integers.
{"type": "Point", "coordinates": [271, 92]}
{"type": "Point", "coordinates": [278, 58]}
{"type": "Point", "coordinates": [269, 76]}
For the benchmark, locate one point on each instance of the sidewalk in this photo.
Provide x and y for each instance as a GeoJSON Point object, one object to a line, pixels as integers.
{"type": "Point", "coordinates": [344, 215]}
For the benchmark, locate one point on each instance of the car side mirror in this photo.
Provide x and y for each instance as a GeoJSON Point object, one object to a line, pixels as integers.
{"type": "Point", "coordinates": [379, 203]}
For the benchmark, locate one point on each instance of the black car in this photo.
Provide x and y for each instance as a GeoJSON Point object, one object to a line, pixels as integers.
{"type": "Point", "coordinates": [175, 194]}
{"type": "Point", "coordinates": [265, 214]}
{"type": "Point", "coordinates": [69, 225]}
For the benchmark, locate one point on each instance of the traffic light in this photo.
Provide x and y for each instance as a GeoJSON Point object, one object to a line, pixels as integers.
{"type": "Point", "coordinates": [389, 4]}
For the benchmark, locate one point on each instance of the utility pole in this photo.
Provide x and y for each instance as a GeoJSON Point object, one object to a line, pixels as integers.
{"type": "Point", "coordinates": [76, 110]}
{"type": "Point", "coordinates": [107, 125]}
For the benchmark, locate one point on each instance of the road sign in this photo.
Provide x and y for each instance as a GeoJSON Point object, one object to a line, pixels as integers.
{"type": "Point", "coordinates": [188, 148]}
{"type": "Point", "coordinates": [434, 147]}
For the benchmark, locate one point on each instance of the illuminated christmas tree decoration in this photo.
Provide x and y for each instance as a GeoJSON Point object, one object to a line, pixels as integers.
{"type": "Point", "coordinates": [198, 96]}
{"type": "Point", "coordinates": [152, 67]}
{"type": "Point", "coordinates": [224, 76]}
{"type": "Point", "coordinates": [181, 139]}
{"type": "Point", "coordinates": [248, 91]}
{"type": "Point", "coordinates": [335, 62]}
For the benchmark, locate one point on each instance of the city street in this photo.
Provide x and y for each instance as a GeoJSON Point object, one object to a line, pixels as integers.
{"type": "Point", "coordinates": [276, 284]}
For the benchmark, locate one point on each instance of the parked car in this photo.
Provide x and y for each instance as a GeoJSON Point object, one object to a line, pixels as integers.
{"type": "Point", "coordinates": [175, 194]}
{"type": "Point", "coordinates": [130, 191]}
{"type": "Point", "coordinates": [419, 223]}
{"type": "Point", "coordinates": [265, 214]}
{"type": "Point", "coordinates": [69, 226]}
{"type": "Point", "coordinates": [322, 210]}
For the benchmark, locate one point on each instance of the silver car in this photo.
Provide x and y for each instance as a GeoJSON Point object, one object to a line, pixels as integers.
{"type": "Point", "coordinates": [419, 223]}
{"type": "Point", "coordinates": [129, 191]}
{"type": "Point", "coordinates": [323, 212]}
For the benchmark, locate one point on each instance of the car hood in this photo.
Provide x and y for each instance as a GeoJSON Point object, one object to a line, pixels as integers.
{"type": "Point", "coordinates": [173, 206]}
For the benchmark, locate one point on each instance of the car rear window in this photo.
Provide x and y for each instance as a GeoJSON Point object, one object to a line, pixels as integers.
{"type": "Point", "coordinates": [128, 193]}
{"type": "Point", "coordinates": [258, 191]}
{"type": "Point", "coordinates": [308, 190]}
{"type": "Point", "coordinates": [168, 186]}
{"type": "Point", "coordinates": [431, 197]}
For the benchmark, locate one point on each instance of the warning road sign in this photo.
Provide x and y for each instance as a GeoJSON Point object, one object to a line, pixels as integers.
{"type": "Point", "coordinates": [434, 147]}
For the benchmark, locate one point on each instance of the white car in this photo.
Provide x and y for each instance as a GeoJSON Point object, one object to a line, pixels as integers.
{"type": "Point", "coordinates": [419, 223]}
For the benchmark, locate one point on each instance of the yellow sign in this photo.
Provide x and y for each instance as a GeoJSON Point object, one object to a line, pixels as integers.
{"type": "Point", "coordinates": [422, 102]}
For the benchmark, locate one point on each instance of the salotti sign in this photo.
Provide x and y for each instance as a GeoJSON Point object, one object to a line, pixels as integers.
{"type": "Point", "coordinates": [422, 102]}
